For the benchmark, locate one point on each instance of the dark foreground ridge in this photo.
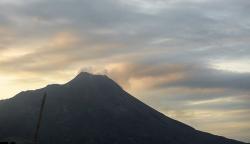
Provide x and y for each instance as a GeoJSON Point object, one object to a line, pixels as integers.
{"type": "Point", "coordinates": [93, 109]}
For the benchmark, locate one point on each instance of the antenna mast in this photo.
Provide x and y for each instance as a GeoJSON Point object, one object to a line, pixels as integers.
{"type": "Point", "coordinates": [40, 119]}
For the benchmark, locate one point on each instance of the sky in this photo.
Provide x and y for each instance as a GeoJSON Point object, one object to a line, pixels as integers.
{"type": "Point", "coordinates": [189, 59]}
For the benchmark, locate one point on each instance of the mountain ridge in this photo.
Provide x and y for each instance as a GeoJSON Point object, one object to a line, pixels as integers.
{"type": "Point", "coordinates": [94, 109]}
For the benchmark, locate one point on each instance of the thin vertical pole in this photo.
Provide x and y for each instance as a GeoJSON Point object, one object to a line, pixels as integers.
{"type": "Point", "coordinates": [39, 119]}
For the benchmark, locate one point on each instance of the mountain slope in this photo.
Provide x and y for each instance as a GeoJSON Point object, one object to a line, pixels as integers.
{"type": "Point", "coordinates": [93, 109]}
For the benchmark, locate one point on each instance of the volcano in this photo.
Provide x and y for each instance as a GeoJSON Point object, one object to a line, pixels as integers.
{"type": "Point", "coordinates": [93, 109]}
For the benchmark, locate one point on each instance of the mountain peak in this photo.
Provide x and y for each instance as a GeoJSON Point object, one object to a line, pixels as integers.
{"type": "Point", "coordinates": [84, 74]}
{"type": "Point", "coordinates": [87, 74]}
{"type": "Point", "coordinates": [86, 77]}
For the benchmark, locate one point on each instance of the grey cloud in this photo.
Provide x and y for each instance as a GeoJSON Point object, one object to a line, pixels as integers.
{"type": "Point", "coordinates": [208, 78]}
{"type": "Point", "coordinates": [194, 76]}
{"type": "Point", "coordinates": [196, 25]}
{"type": "Point", "coordinates": [205, 78]}
{"type": "Point", "coordinates": [59, 58]}
{"type": "Point", "coordinates": [197, 32]}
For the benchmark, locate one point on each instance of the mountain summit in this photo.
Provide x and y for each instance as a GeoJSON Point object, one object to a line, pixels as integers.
{"type": "Point", "coordinates": [93, 109]}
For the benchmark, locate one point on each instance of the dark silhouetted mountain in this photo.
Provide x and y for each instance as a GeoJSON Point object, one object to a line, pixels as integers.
{"type": "Point", "coordinates": [93, 109]}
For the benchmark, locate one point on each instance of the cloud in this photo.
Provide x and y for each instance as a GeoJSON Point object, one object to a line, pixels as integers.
{"type": "Point", "coordinates": [210, 78]}
{"type": "Point", "coordinates": [8, 36]}
{"type": "Point", "coordinates": [179, 75]}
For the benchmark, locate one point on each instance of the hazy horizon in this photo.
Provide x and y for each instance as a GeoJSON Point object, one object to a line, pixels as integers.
{"type": "Point", "coordinates": [189, 59]}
